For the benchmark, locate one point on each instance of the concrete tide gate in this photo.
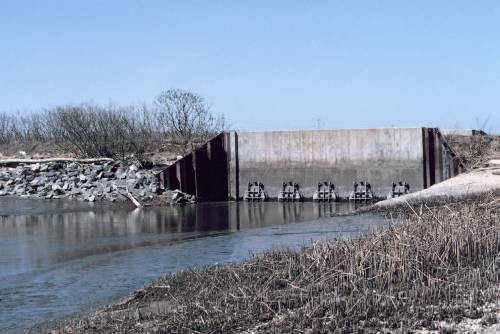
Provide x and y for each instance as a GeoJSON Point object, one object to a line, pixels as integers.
{"type": "Point", "coordinates": [222, 168]}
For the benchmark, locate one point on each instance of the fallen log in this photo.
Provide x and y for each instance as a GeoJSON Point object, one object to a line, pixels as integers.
{"type": "Point", "coordinates": [133, 200]}
{"type": "Point", "coordinates": [45, 160]}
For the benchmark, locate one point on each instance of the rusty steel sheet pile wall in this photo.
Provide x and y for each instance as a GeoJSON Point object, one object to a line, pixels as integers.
{"type": "Point", "coordinates": [203, 172]}
{"type": "Point", "coordinates": [439, 161]}
{"type": "Point", "coordinates": [222, 168]}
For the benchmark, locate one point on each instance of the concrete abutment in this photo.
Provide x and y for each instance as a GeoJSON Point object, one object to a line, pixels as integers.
{"type": "Point", "coordinates": [222, 168]}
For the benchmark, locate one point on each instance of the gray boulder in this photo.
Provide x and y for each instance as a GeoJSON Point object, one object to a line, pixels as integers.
{"type": "Point", "coordinates": [57, 189]}
{"type": "Point", "coordinates": [154, 188]}
{"type": "Point", "coordinates": [37, 182]}
{"type": "Point", "coordinates": [121, 174]}
{"type": "Point", "coordinates": [108, 175]}
{"type": "Point", "coordinates": [51, 174]}
{"type": "Point", "coordinates": [76, 192]}
{"type": "Point", "coordinates": [35, 167]}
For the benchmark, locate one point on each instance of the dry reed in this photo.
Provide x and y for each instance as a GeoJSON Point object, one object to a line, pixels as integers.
{"type": "Point", "coordinates": [430, 264]}
{"type": "Point", "coordinates": [474, 151]}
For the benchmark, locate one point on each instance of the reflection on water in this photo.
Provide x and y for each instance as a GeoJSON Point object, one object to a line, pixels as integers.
{"type": "Point", "coordinates": [62, 257]}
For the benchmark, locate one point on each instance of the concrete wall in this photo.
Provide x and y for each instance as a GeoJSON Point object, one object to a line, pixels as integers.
{"type": "Point", "coordinates": [379, 156]}
{"type": "Point", "coordinates": [222, 168]}
{"type": "Point", "coordinates": [462, 132]}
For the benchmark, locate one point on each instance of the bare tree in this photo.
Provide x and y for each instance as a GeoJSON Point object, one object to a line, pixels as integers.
{"type": "Point", "coordinates": [21, 128]}
{"type": "Point", "coordinates": [6, 128]}
{"type": "Point", "coordinates": [178, 122]}
{"type": "Point", "coordinates": [185, 116]}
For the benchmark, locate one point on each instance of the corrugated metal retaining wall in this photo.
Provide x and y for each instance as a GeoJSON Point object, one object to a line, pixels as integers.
{"type": "Point", "coordinates": [439, 160]}
{"type": "Point", "coordinates": [203, 172]}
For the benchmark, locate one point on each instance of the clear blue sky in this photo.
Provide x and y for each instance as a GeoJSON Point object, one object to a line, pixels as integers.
{"type": "Point", "coordinates": [264, 64]}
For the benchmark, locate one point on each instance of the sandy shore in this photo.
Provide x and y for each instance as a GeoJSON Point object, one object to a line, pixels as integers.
{"type": "Point", "coordinates": [470, 184]}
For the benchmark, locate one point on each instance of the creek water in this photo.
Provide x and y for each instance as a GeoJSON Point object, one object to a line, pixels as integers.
{"type": "Point", "coordinates": [59, 258]}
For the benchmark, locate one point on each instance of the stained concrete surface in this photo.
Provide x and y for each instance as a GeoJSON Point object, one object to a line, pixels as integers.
{"type": "Point", "coordinates": [341, 156]}
{"type": "Point", "coordinates": [222, 168]}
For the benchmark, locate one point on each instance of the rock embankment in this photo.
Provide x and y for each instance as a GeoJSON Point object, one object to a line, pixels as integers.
{"type": "Point", "coordinates": [101, 181]}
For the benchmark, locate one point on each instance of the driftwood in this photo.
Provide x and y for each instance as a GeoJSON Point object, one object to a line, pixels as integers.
{"type": "Point", "coordinates": [34, 161]}
{"type": "Point", "coordinates": [133, 199]}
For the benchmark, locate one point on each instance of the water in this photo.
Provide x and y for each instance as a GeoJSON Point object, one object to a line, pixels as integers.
{"type": "Point", "coordinates": [59, 258]}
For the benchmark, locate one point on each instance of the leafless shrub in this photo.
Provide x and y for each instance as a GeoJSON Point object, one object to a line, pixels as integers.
{"type": "Point", "coordinates": [179, 122]}
{"type": "Point", "coordinates": [6, 131]}
{"type": "Point", "coordinates": [15, 127]}
{"type": "Point", "coordinates": [473, 151]}
{"type": "Point", "coordinates": [185, 116]}
{"type": "Point", "coordinates": [95, 131]}
{"type": "Point", "coordinates": [479, 147]}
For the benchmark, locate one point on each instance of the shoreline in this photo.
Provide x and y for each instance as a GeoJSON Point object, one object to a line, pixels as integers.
{"type": "Point", "coordinates": [95, 180]}
{"type": "Point", "coordinates": [251, 233]}
{"type": "Point", "coordinates": [183, 301]}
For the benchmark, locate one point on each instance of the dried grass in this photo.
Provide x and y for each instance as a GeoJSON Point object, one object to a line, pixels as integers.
{"type": "Point", "coordinates": [474, 151]}
{"type": "Point", "coordinates": [429, 264]}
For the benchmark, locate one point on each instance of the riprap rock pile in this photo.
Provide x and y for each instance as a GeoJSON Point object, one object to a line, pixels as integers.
{"type": "Point", "coordinates": [106, 181]}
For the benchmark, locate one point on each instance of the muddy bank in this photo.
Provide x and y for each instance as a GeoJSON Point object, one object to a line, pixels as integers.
{"type": "Point", "coordinates": [428, 268]}
{"type": "Point", "coordinates": [98, 181]}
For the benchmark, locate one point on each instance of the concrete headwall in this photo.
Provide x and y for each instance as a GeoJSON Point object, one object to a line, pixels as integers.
{"type": "Point", "coordinates": [222, 168]}
{"type": "Point", "coordinates": [379, 156]}
{"type": "Point", "coordinates": [462, 132]}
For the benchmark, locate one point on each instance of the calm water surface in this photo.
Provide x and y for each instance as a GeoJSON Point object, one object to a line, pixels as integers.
{"type": "Point", "coordinates": [62, 257]}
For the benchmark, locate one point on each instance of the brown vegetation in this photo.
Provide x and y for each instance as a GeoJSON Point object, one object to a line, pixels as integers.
{"type": "Point", "coordinates": [473, 151]}
{"type": "Point", "coordinates": [179, 121]}
{"type": "Point", "coordinates": [430, 264]}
